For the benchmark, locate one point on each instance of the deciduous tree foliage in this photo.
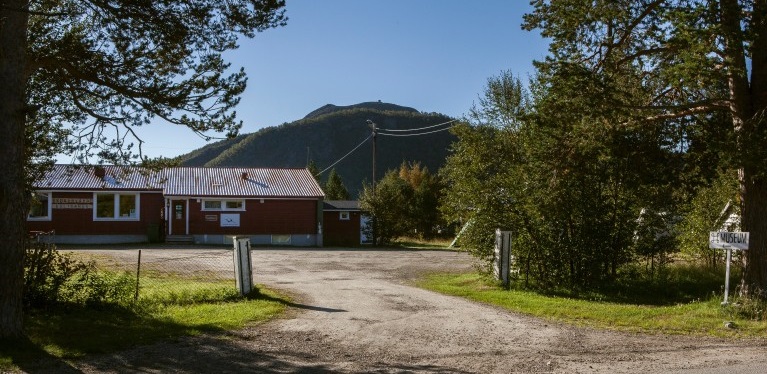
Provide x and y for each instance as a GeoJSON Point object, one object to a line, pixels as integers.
{"type": "Point", "coordinates": [388, 204]}
{"type": "Point", "coordinates": [405, 202]}
{"type": "Point", "coordinates": [689, 60]}
{"type": "Point", "coordinates": [561, 171]}
{"type": "Point", "coordinates": [424, 216]}
{"type": "Point", "coordinates": [81, 76]}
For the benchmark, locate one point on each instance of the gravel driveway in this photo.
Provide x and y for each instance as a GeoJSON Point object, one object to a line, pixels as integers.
{"type": "Point", "coordinates": [356, 312]}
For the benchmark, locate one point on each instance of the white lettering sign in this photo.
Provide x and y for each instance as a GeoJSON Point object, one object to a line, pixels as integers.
{"type": "Point", "coordinates": [725, 239]}
{"type": "Point", "coordinates": [72, 206]}
{"type": "Point", "coordinates": [72, 203]}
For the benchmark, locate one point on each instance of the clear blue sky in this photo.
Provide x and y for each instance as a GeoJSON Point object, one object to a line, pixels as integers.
{"type": "Point", "coordinates": [432, 55]}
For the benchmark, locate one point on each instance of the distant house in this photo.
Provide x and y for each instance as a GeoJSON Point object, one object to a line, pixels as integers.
{"type": "Point", "coordinates": [344, 223]}
{"type": "Point", "coordinates": [112, 204]}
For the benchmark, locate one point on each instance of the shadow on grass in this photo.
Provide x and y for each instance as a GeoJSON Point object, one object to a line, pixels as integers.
{"type": "Point", "coordinates": [55, 335]}
{"type": "Point", "coordinates": [29, 357]}
{"type": "Point", "coordinates": [60, 334]}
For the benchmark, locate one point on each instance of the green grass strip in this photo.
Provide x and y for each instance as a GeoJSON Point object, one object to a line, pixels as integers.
{"type": "Point", "coordinates": [704, 318]}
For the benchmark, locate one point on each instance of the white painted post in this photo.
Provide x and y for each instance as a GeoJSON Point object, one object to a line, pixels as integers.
{"type": "Point", "coordinates": [242, 265]}
{"type": "Point", "coordinates": [727, 276]}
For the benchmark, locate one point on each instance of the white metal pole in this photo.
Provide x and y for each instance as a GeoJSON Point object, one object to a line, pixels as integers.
{"type": "Point", "coordinates": [727, 276]}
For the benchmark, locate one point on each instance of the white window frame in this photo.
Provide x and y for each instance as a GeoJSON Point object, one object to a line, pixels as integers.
{"type": "Point", "coordinates": [49, 215]}
{"type": "Point", "coordinates": [116, 208]}
{"type": "Point", "coordinates": [223, 207]}
{"type": "Point", "coordinates": [344, 216]}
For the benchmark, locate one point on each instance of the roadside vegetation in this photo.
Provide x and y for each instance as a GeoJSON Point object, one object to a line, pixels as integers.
{"type": "Point", "coordinates": [74, 308]}
{"type": "Point", "coordinates": [434, 244]}
{"type": "Point", "coordinates": [682, 305]}
{"type": "Point", "coordinates": [638, 134]}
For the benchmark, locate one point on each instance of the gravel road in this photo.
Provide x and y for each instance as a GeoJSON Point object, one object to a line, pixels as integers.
{"type": "Point", "coordinates": [356, 312]}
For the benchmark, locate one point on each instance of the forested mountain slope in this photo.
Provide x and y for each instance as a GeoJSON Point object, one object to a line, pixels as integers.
{"type": "Point", "coordinates": [327, 134]}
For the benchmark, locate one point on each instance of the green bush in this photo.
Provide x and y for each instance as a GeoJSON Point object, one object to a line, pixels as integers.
{"type": "Point", "coordinates": [705, 213]}
{"type": "Point", "coordinates": [53, 278]}
{"type": "Point", "coordinates": [100, 288]}
{"type": "Point", "coordinates": [46, 272]}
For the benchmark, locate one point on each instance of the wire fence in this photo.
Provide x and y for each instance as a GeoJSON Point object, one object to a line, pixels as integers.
{"type": "Point", "coordinates": [160, 275]}
{"type": "Point", "coordinates": [171, 276]}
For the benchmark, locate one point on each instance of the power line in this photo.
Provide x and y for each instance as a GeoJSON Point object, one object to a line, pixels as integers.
{"type": "Point", "coordinates": [376, 131]}
{"type": "Point", "coordinates": [346, 155]}
{"type": "Point", "coordinates": [419, 134]}
{"type": "Point", "coordinates": [419, 129]}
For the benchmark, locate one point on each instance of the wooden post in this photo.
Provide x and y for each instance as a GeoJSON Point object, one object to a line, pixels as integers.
{"type": "Point", "coordinates": [138, 276]}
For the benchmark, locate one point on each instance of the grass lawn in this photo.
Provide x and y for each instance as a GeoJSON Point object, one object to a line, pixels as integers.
{"type": "Point", "coordinates": [416, 243]}
{"type": "Point", "coordinates": [66, 333]}
{"type": "Point", "coordinates": [697, 317]}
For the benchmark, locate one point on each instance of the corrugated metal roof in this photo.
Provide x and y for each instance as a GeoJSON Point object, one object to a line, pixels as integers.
{"type": "Point", "coordinates": [214, 182]}
{"type": "Point", "coordinates": [107, 177]}
{"type": "Point", "coordinates": [333, 205]}
{"type": "Point", "coordinates": [255, 182]}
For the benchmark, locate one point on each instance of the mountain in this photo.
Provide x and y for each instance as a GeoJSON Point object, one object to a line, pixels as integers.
{"type": "Point", "coordinates": [327, 134]}
{"type": "Point", "coordinates": [330, 108]}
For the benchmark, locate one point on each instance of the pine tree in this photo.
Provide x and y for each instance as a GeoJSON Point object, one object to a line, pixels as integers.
{"type": "Point", "coordinates": [82, 76]}
{"type": "Point", "coordinates": [334, 188]}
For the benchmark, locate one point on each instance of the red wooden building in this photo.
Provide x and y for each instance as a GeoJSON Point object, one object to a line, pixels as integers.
{"type": "Point", "coordinates": [111, 204]}
{"type": "Point", "coordinates": [344, 223]}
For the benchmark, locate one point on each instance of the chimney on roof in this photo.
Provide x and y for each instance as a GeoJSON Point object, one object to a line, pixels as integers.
{"type": "Point", "coordinates": [99, 172]}
{"type": "Point", "coordinates": [244, 175]}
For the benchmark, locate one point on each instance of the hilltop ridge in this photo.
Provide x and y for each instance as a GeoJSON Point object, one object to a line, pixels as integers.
{"type": "Point", "coordinates": [328, 133]}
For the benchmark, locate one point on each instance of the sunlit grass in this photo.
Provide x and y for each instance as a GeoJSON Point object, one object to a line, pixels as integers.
{"type": "Point", "coordinates": [173, 290]}
{"type": "Point", "coordinates": [698, 317]}
{"type": "Point", "coordinates": [416, 243]}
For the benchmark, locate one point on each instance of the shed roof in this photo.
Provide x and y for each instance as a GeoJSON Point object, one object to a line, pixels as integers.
{"type": "Point", "coordinates": [186, 181]}
{"type": "Point", "coordinates": [339, 205]}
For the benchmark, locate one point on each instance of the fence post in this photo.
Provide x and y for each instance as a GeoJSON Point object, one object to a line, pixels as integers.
{"type": "Point", "coordinates": [243, 265]}
{"type": "Point", "coordinates": [502, 258]}
{"type": "Point", "coordinates": [138, 276]}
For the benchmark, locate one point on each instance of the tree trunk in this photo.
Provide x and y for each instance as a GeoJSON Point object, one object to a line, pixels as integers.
{"type": "Point", "coordinates": [754, 220]}
{"type": "Point", "coordinates": [748, 101]}
{"type": "Point", "coordinates": [13, 39]}
{"type": "Point", "coordinates": [753, 176]}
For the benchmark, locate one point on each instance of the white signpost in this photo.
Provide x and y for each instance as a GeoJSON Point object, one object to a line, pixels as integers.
{"type": "Point", "coordinates": [729, 241]}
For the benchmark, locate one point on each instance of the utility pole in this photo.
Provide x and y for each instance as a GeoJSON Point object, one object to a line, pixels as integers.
{"type": "Point", "coordinates": [373, 128]}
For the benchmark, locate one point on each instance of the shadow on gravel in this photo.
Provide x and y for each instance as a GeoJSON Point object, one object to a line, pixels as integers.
{"type": "Point", "coordinates": [204, 355]}
{"type": "Point", "coordinates": [216, 355]}
{"type": "Point", "coordinates": [416, 369]}
{"type": "Point", "coordinates": [300, 306]}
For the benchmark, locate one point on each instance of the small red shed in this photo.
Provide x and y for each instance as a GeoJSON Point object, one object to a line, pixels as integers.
{"type": "Point", "coordinates": [344, 223]}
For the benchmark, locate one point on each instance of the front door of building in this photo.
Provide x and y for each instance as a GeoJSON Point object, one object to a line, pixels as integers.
{"type": "Point", "coordinates": [178, 217]}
